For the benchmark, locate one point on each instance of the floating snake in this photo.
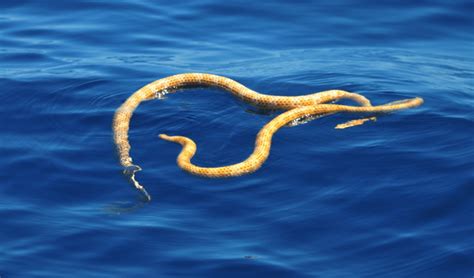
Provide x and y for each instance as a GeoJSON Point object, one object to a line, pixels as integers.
{"type": "Point", "coordinates": [297, 107]}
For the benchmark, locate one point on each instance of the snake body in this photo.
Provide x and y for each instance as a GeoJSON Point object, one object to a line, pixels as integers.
{"type": "Point", "coordinates": [297, 106]}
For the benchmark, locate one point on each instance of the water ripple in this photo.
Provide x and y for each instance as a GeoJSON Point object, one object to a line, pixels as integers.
{"type": "Point", "coordinates": [390, 198]}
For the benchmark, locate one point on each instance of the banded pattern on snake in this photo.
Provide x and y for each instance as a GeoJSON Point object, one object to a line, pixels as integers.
{"type": "Point", "coordinates": [297, 106]}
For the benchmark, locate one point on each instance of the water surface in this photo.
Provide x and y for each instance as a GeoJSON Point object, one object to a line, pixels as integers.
{"type": "Point", "coordinates": [387, 199]}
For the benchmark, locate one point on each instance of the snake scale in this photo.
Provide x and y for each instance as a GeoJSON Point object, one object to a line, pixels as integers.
{"type": "Point", "coordinates": [297, 107]}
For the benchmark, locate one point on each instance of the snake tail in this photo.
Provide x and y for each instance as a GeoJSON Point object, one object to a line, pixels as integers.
{"type": "Point", "coordinates": [264, 137]}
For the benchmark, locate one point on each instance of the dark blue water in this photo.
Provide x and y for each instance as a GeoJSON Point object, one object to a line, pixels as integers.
{"type": "Point", "coordinates": [392, 198]}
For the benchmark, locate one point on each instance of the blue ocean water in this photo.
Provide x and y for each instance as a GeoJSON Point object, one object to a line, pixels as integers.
{"type": "Point", "coordinates": [386, 199]}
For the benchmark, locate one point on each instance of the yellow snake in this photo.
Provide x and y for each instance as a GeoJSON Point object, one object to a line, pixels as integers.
{"type": "Point", "coordinates": [297, 106]}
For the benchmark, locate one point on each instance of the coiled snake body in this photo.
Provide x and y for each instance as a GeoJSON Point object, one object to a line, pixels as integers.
{"type": "Point", "coordinates": [297, 106]}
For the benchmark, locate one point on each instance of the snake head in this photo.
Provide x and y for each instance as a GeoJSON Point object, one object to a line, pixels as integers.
{"type": "Point", "coordinates": [131, 170]}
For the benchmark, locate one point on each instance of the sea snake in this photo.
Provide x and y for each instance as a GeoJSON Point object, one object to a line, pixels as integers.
{"type": "Point", "coordinates": [297, 107]}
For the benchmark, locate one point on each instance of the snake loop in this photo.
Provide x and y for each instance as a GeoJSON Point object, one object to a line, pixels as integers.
{"type": "Point", "coordinates": [296, 106]}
